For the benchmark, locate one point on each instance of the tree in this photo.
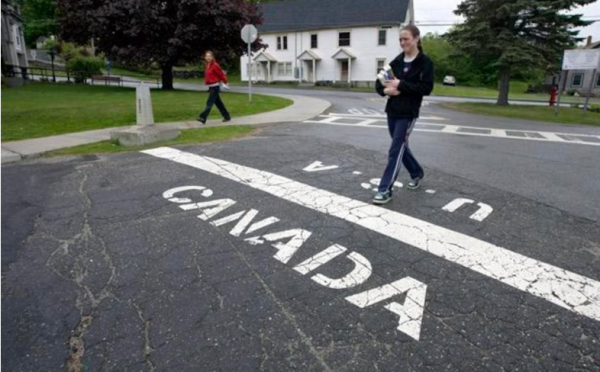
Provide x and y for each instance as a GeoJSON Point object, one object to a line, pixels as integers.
{"type": "Point", "coordinates": [448, 62]}
{"type": "Point", "coordinates": [167, 32]}
{"type": "Point", "coordinates": [39, 19]}
{"type": "Point", "coordinates": [516, 34]}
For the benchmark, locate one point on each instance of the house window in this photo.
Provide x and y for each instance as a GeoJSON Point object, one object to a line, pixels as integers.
{"type": "Point", "coordinates": [314, 41]}
{"type": "Point", "coordinates": [284, 68]}
{"type": "Point", "coordinates": [17, 31]}
{"type": "Point", "coordinates": [344, 39]}
{"type": "Point", "coordinates": [577, 80]}
{"type": "Point", "coordinates": [282, 43]}
{"type": "Point", "coordinates": [380, 64]}
{"type": "Point", "coordinates": [382, 37]}
{"type": "Point", "coordinates": [598, 80]}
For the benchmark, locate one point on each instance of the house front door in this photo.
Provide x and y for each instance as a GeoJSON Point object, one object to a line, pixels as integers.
{"type": "Point", "coordinates": [344, 74]}
{"type": "Point", "coordinates": [308, 72]}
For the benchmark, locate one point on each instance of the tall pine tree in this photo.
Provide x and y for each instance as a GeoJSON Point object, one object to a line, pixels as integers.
{"type": "Point", "coordinates": [516, 34]}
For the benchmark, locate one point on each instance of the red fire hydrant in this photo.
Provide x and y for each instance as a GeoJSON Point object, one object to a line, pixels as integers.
{"type": "Point", "coordinates": [553, 95]}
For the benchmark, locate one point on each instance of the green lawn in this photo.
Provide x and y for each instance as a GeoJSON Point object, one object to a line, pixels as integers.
{"type": "Point", "coordinates": [137, 75]}
{"type": "Point", "coordinates": [189, 136]}
{"type": "Point", "coordinates": [233, 79]}
{"type": "Point", "coordinates": [39, 110]}
{"type": "Point", "coordinates": [516, 92]}
{"type": "Point", "coordinates": [539, 113]}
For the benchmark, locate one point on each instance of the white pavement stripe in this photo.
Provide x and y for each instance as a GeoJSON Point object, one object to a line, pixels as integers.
{"type": "Point", "coordinates": [574, 138]}
{"type": "Point", "coordinates": [498, 133]}
{"type": "Point", "coordinates": [450, 129]}
{"type": "Point", "coordinates": [382, 116]}
{"type": "Point", "coordinates": [569, 290]}
{"type": "Point", "coordinates": [361, 123]}
{"type": "Point", "coordinates": [552, 137]}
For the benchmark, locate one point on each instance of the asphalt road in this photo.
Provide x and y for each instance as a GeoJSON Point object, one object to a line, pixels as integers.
{"type": "Point", "coordinates": [264, 254]}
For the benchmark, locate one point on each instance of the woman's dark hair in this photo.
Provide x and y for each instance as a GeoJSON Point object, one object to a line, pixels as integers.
{"type": "Point", "coordinates": [414, 30]}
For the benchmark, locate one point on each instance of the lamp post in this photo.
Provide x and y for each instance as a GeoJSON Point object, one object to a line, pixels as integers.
{"type": "Point", "coordinates": [52, 52]}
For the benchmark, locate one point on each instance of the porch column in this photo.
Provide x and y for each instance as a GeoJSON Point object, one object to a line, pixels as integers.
{"type": "Point", "coordinates": [349, 70]}
{"type": "Point", "coordinates": [314, 71]}
{"type": "Point", "coordinates": [268, 71]}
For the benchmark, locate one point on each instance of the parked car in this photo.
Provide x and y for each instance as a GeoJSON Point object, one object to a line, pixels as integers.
{"type": "Point", "coordinates": [449, 80]}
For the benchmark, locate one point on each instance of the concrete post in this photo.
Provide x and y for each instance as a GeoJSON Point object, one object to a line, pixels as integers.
{"type": "Point", "coordinates": [144, 115]}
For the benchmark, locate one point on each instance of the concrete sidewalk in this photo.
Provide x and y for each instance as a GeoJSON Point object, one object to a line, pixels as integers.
{"type": "Point", "coordinates": [302, 109]}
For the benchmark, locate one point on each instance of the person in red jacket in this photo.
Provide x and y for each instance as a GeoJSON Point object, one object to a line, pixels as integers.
{"type": "Point", "coordinates": [213, 76]}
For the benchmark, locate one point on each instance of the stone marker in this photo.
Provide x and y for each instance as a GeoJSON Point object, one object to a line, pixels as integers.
{"type": "Point", "coordinates": [145, 132]}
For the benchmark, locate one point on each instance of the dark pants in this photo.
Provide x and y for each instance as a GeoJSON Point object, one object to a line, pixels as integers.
{"type": "Point", "coordinates": [214, 99]}
{"type": "Point", "coordinates": [400, 129]}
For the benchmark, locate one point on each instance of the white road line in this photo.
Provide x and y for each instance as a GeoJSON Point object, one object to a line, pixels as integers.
{"type": "Point", "coordinates": [330, 119]}
{"type": "Point", "coordinates": [552, 137]}
{"type": "Point", "coordinates": [569, 290]}
{"type": "Point", "coordinates": [498, 133]}
{"type": "Point", "coordinates": [380, 116]}
{"type": "Point", "coordinates": [453, 129]}
{"type": "Point", "coordinates": [362, 125]}
{"type": "Point", "coordinates": [449, 129]}
{"type": "Point", "coordinates": [368, 122]}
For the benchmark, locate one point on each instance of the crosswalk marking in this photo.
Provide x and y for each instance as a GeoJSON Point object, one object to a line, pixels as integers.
{"type": "Point", "coordinates": [378, 116]}
{"type": "Point", "coordinates": [435, 124]}
{"type": "Point", "coordinates": [574, 292]}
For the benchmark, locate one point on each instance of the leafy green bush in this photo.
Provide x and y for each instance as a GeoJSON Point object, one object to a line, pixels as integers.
{"type": "Point", "coordinates": [83, 68]}
{"type": "Point", "coordinates": [594, 108]}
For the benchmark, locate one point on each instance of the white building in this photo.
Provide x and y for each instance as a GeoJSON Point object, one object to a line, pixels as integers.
{"type": "Point", "coordinates": [314, 41]}
{"type": "Point", "coordinates": [13, 42]}
{"type": "Point", "coordinates": [582, 80]}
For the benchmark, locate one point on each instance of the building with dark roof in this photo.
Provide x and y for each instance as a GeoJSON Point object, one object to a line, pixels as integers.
{"type": "Point", "coordinates": [334, 41]}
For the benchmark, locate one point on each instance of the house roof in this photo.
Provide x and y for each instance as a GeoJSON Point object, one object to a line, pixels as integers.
{"type": "Point", "coordinates": [301, 15]}
{"type": "Point", "coordinates": [595, 45]}
{"type": "Point", "coordinates": [41, 39]}
{"type": "Point", "coordinates": [309, 55]}
{"type": "Point", "coordinates": [264, 57]}
{"type": "Point", "coordinates": [343, 53]}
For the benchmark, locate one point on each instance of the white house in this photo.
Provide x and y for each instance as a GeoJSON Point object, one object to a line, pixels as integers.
{"type": "Point", "coordinates": [313, 41]}
{"type": "Point", "coordinates": [583, 80]}
{"type": "Point", "coordinates": [13, 42]}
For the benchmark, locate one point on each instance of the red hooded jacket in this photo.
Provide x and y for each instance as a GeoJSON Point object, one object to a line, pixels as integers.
{"type": "Point", "coordinates": [213, 74]}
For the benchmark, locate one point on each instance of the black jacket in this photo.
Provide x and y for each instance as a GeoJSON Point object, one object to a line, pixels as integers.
{"type": "Point", "coordinates": [415, 84]}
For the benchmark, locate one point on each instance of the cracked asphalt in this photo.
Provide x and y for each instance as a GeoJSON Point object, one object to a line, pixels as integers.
{"type": "Point", "coordinates": [103, 272]}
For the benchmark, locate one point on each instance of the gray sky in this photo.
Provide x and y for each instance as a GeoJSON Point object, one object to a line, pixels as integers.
{"type": "Point", "coordinates": [438, 11]}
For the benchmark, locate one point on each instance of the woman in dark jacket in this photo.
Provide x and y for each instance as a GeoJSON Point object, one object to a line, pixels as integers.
{"type": "Point", "coordinates": [412, 79]}
{"type": "Point", "coordinates": [213, 76]}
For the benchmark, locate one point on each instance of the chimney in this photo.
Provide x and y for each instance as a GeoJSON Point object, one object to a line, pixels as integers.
{"type": "Point", "coordinates": [589, 41]}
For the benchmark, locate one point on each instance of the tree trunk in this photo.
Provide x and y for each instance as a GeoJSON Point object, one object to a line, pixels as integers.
{"type": "Point", "coordinates": [504, 85]}
{"type": "Point", "coordinates": [167, 77]}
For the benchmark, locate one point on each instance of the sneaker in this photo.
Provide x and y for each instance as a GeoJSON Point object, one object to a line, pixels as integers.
{"type": "Point", "coordinates": [415, 183]}
{"type": "Point", "coordinates": [202, 120]}
{"type": "Point", "coordinates": [382, 197]}
{"type": "Point", "coordinates": [226, 120]}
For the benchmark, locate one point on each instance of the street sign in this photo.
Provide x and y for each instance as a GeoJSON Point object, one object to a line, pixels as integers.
{"type": "Point", "coordinates": [249, 34]}
{"type": "Point", "coordinates": [581, 59]}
